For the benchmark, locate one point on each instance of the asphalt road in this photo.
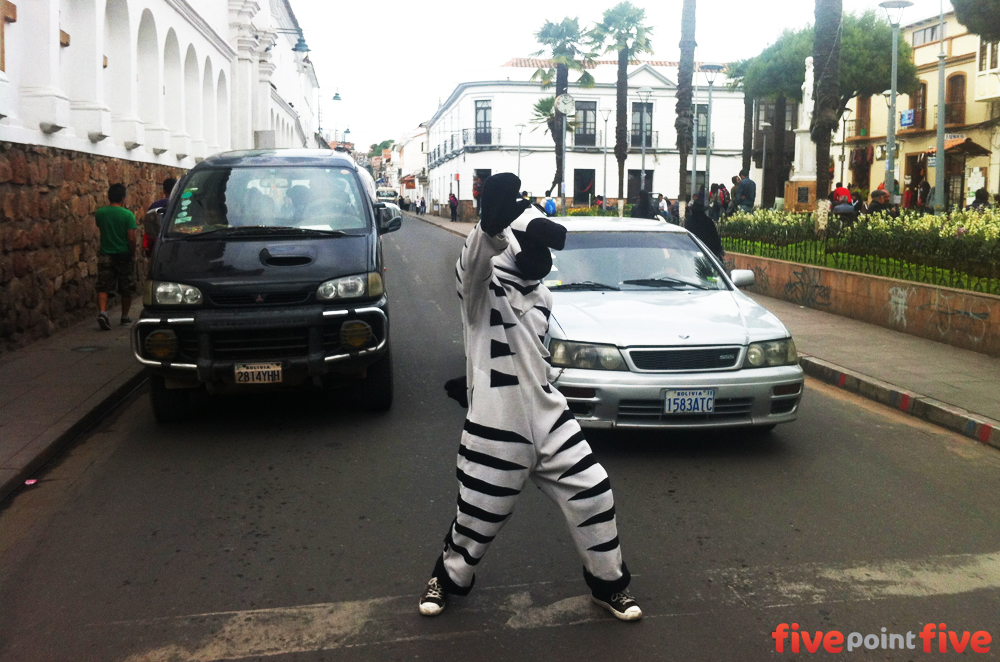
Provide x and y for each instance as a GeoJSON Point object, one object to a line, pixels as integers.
{"type": "Point", "coordinates": [296, 528]}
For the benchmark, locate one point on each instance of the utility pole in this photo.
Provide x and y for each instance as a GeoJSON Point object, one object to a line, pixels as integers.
{"type": "Point", "coordinates": [939, 163]}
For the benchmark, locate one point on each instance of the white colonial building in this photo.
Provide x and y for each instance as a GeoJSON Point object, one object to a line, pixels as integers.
{"type": "Point", "coordinates": [409, 164]}
{"type": "Point", "coordinates": [477, 132]}
{"type": "Point", "coordinates": [160, 81]}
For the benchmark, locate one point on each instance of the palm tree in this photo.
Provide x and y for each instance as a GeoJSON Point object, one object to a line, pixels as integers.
{"type": "Point", "coordinates": [544, 113]}
{"type": "Point", "coordinates": [826, 113]}
{"type": "Point", "coordinates": [622, 31]}
{"type": "Point", "coordinates": [685, 94]}
{"type": "Point", "coordinates": [737, 72]}
{"type": "Point", "coordinates": [562, 43]}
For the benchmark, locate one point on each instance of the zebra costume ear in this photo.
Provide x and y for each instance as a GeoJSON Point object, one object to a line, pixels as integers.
{"type": "Point", "coordinates": [539, 231]}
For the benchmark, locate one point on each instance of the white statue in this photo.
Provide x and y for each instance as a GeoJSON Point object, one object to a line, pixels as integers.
{"type": "Point", "coordinates": [804, 168]}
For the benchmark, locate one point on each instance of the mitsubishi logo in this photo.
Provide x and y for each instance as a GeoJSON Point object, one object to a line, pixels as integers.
{"type": "Point", "coordinates": [683, 337]}
{"type": "Point", "coordinates": [260, 298]}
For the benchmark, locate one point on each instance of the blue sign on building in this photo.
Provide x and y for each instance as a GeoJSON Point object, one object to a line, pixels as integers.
{"type": "Point", "coordinates": [907, 118]}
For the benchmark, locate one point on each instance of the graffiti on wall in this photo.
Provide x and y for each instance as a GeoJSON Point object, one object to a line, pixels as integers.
{"type": "Point", "coordinates": [807, 289]}
{"type": "Point", "coordinates": [957, 314]}
{"type": "Point", "coordinates": [898, 305]}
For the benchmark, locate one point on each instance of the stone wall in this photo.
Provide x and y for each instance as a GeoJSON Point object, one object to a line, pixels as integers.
{"type": "Point", "coordinates": [970, 320]}
{"type": "Point", "coordinates": [48, 238]}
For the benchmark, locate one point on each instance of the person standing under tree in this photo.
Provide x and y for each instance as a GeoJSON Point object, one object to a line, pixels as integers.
{"type": "Point", "coordinates": [115, 262]}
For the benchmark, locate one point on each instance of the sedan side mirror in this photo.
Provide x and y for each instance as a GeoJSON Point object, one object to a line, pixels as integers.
{"type": "Point", "coordinates": [390, 218]}
{"type": "Point", "coordinates": [743, 277]}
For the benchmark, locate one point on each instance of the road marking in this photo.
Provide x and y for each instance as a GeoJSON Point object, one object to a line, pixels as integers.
{"type": "Point", "coordinates": [269, 632]}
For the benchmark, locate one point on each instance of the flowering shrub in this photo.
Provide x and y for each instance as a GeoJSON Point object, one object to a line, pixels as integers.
{"type": "Point", "coordinates": [960, 249]}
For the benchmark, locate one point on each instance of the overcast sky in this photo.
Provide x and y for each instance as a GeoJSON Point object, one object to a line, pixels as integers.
{"type": "Point", "coordinates": [393, 60]}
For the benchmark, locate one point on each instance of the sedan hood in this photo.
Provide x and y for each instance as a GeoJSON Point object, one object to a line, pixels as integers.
{"type": "Point", "coordinates": [247, 261]}
{"type": "Point", "coordinates": [663, 318]}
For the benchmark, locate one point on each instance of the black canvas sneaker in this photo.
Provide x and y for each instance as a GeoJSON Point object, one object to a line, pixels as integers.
{"type": "Point", "coordinates": [433, 600]}
{"type": "Point", "coordinates": [622, 605]}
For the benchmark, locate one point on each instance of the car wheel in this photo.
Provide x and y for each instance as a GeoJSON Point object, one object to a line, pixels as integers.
{"type": "Point", "coordinates": [170, 405]}
{"type": "Point", "coordinates": [376, 388]}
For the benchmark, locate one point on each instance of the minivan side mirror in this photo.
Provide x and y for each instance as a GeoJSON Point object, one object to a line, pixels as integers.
{"type": "Point", "coordinates": [743, 277]}
{"type": "Point", "coordinates": [390, 218]}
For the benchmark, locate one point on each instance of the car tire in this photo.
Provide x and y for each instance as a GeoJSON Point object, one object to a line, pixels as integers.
{"type": "Point", "coordinates": [376, 388]}
{"type": "Point", "coordinates": [170, 405]}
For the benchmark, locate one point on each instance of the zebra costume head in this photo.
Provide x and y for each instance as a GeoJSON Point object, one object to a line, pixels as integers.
{"type": "Point", "coordinates": [530, 235]}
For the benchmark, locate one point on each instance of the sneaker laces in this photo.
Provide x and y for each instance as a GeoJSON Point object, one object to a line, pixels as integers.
{"type": "Point", "coordinates": [434, 589]}
{"type": "Point", "coordinates": [625, 599]}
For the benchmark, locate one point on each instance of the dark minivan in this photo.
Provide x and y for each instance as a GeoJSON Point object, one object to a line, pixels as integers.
{"type": "Point", "coordinates": [267, 273]}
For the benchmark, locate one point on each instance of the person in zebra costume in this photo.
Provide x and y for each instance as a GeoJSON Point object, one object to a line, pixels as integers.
{"type": "Point", "coordinates": [518, 425]}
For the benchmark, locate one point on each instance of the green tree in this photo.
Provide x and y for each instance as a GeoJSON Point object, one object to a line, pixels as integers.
{"type": "Point", "coordinates": [826, 114]}
{"type": "Point", "coordinates": [736, 73]}
{"type": "Point", "coordinates": [685, 94]}
{"type": "Point", "coordinates": [622, 30]}
{"type": "Point", "coordinates": [376, 150]}
{"type": "Point", "coordinates": [982, 17]}
{"type": "Point", "coordinates": [564, 45]}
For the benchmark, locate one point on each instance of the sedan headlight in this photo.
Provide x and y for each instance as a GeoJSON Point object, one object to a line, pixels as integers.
{"type": "Point", "coordinates": [174, 294]}
{"type": "Point", "coordinates": [567, 354]}
{"type": "Point", "coordinates": [348, 287]}
{"type": "Point", "coordinates": [771, 353]}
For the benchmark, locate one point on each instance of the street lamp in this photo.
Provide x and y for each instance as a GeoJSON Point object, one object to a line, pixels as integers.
{"type": "Point", "coordinates": [644, 94]}
{"type": "Point", "coordinates": [939, 163]}
{"type": "Point", "coordinates": [894, 11]}
{"type": "Point", "coordinates": [764, 126]}
{"type": "Point", "coordinates": [607, 114]}
{"type": "Point", "coordinates": [711, 72]}
{"type": "Point", "coordinates": [843, 144]}
{"type": "Point", "coordinates": [520, 129]}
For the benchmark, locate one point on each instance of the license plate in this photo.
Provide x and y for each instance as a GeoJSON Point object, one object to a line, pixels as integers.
{"type": "Point", "coordinates": [699, 401]}
{"type": "Point", "coordinates": [258, 373]}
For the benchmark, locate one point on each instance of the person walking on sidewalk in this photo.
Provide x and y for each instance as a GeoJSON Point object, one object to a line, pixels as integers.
{"type": "Point", "coordinates": [151, 221]}
{"type": "Point", "coordinates": [115, 263]}
{"type": "Point", "coordinates": [453, 204]}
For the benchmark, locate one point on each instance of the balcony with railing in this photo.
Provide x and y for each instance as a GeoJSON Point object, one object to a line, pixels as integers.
{"type": "Point", "coordinates": [858, 129]}
{"type": "Point", "coordinates": [583, 140]}
{"type": "Point", "coordinates": [480, 136]}
{"type": "Point", "coordinates": [652, 139]}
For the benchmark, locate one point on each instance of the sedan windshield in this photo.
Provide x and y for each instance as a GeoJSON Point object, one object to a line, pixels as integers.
{"type": "Point", "coordinates": [599, 261]}
{"type": "Point", "coordinates": [314, 200]}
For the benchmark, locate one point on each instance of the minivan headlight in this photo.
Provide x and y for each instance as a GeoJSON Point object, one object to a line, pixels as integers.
{"type": "Point", "coordinates": [586, 356]}
{"type": "Point", "coordinates": [771, 353]}
{"type": "Point", "coordinates": [175, 294]}
{"type": "Point", "coordinates": [348, 287]}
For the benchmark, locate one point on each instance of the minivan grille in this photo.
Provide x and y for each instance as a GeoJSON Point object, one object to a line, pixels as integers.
{"type": "Point", "coordinates": [260, 344]}
{"type": "Point", "coordinates": [271, 298]}
{"type": "Point", "coordinates": [714, 358]}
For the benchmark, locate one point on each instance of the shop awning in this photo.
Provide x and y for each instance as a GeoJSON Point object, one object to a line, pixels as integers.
{"type": "Point", "coordinates": [962, 147]}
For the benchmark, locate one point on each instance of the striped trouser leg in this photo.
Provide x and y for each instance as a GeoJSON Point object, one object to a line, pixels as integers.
{"type": "Point", "coordinates": [491, 475]}
{"type": "Point", "coordinates": [569, 474]}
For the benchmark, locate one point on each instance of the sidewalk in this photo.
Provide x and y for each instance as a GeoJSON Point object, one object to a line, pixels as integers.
{"type": "Point", "coordinates": [56, 388]}
{"type": "Point", "coordinates": [952, 387]}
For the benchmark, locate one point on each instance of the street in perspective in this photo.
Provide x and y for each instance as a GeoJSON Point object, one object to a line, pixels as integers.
{"type": "Point", "coordinates": [555, 333]}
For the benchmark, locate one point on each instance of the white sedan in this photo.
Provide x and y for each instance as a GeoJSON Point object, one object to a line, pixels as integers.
{"type": "Point", "coordinates": [649, 331]}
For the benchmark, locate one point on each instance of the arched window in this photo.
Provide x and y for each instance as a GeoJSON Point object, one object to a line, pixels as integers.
{"type": "Point", "coordinates": [918, 103]}
{"type": "Point", "coordinates": [222, 112]}
{"type": "Point", "coordinates": [954, 112]}
{"type": "Point", "coordinates": [118, 77]}
{"type": "Point", "coordinates": [208, 107]}
{"type": "Point", "coordinates": [192, 96]}
{"type": "Point", "coordinates": [149, 88]}
{"type": "Point", "coordinates": [173, 89]}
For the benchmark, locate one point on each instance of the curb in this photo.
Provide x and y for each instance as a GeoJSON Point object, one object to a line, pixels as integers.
{"type": "Point", "coordinates": [442, 225]}
{"type": "Point", "coordinates": [49, 448]}
{"type": "Point", "coordinates": [974, 426]}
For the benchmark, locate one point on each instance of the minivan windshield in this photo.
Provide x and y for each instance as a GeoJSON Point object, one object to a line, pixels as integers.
{"type": "Point", "coordinates": [609, 261]}
{"type": "Point", "coordinates": [320, 199]}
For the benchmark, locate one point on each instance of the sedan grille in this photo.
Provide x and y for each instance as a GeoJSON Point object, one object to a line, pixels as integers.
{"type": "Point", "coordinates": [712, 358]}
{"type": "Point", "coordinates": [651, 411]}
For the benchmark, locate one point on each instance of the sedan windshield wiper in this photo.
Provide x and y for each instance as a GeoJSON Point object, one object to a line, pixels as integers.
{"type": "Point", "coordinates": [663, 282]}
{"type": "Point", "coordinates": [251, 230]}
{"type": "Point", "coordinates": [585, 285]}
